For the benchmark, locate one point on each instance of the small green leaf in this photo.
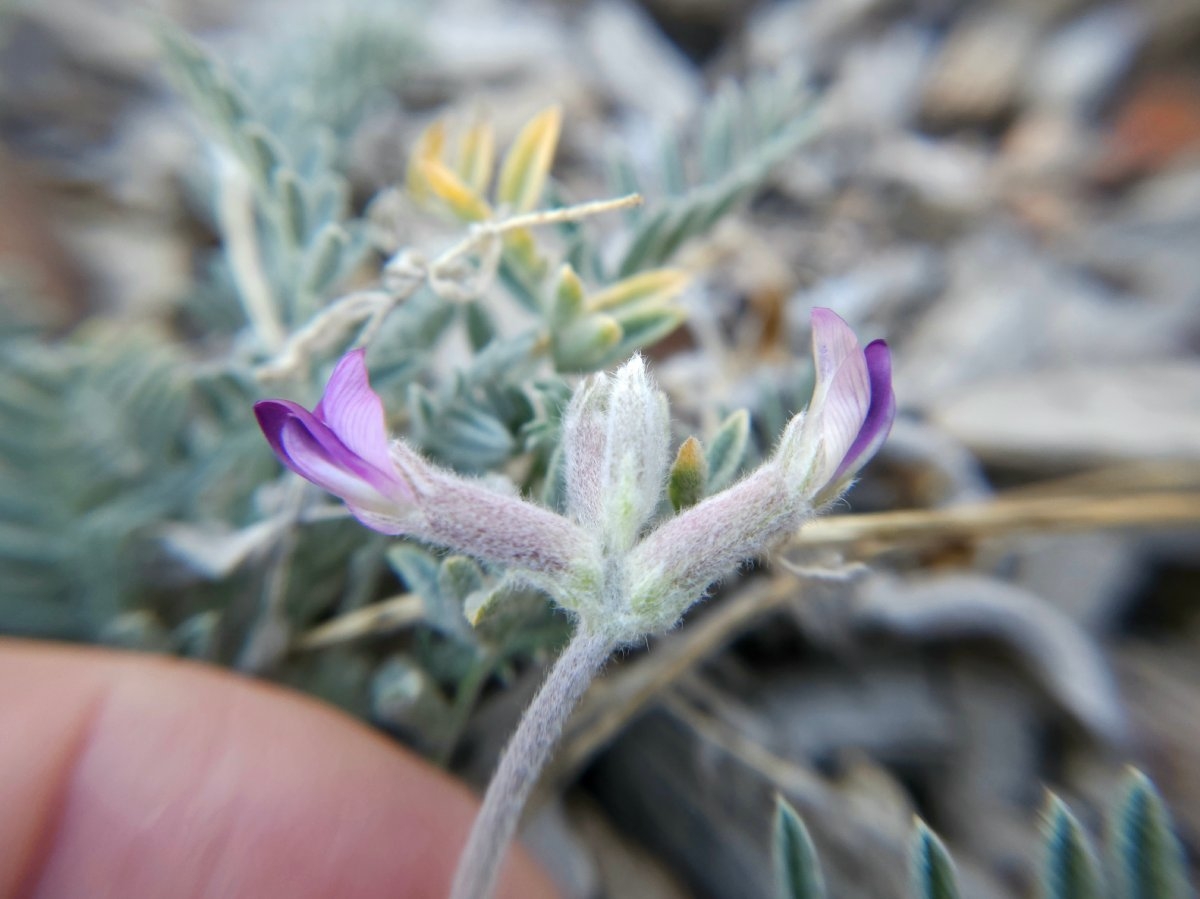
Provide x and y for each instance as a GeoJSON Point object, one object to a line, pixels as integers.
{"type": "Point", "coordinates": [323, 260]}
{"type": "Point", "coordinates": [1147, 858]}
{"type": "Point", "coordinates": [1069, 868]}
{"type": "Point", "coordinates": [718, 203]}
{"type": "Point", "coordinates": [417, 569]}
{"type": "Point", "coordinates": [402, 694]}
{"type": "Point", "coordinates": [476, 155]}
{"type": "Point", "coordinates": [641, 248]}
{"type": "Point", "coordinates": [293, 211]}
{"type": "Point", "coordinates": [481, 329]}
{"type": "Point", "coordinates": [423, 576]}
{"type": "Point", "coordinates": [229, 105]}
{"type": "Point", "coordinates": [483, 604]}
{"type": "Point", "coordinates": [397, 686]}
{"type": "Point", "coordinates": [205, 80]}
{"type": "Point", "coordinates": [727, 450]}
{"type": "Point", "coordinates": [500, 359]}
{"type": "Point", "coordinates": [642, 328]}
{"type": "Point", "coordinates": [197, 637]}
{"type": "Point", "coordinates": [623, 179]}
{"type": "Point", "coordinates": [139, 629]}
{"type": "Point", "coordinates": [525, 289]}
{"type": "Point", "coordinates": [459, 577]}
{"type": "Point", "coordinates": [584, 344]}
{"type": "Point", "coordinates": [673, 169]}
{"type": "Point", "coordinates": [719, 129]}
{"type": "Point", "coordinates": [329, 198]}
{"type": "Point", "coordinates": [472, 439]}
{"type": "Point", "coordinates": [930, 867]}
{"type": "Point", "coordinates": [423, 410]}
{"type": "Point", "coordinates": [568, 298]}
{"type": "Point", "coordinates": [797, 870]}
{"type": "Point", "coordinates": [689, 473]}
{"type": "Point", "coordinates": [420, 322]}
{"type": "Point", "coordinates": [263, 153]}
{"type": "Point", "coordinates": [685, 222]}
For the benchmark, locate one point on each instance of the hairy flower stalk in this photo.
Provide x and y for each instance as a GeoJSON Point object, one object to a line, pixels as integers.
{"type": "Point", "coordinates": [523, 760]}
{"type": "Point", "coordinates": [606, 560]}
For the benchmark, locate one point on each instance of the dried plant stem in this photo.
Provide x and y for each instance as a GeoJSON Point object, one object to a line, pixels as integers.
{"type": "Point", "coordinates": [482, 232]}
{"type": "Point", "coordinates": [331, 325]}
{"type": "Point", "coordinates": [377, 618]}
{"type": "Point", "coordinates": [235, 210]}
{"type": "Point", "coordinates": [1004, 516]}
{"type": "Point", "coordinates": [326, 329]}
{"type": "Point", "coordinates": [523, 760]}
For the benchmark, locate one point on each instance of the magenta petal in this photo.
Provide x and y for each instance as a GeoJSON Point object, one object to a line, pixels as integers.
{"type": "Point", "coordinates": [834, 341]}
{"type": "Point", "coordinates": [882, 411]}
{"type": "Point", "coordinates": [336, 472]}
{"type": "Point", "coordinates": [307, 446]}
{"type": "Point", "coordinates": [274, 415]}
{"type": "Point", "coordinates": [842, 391]}
{"type": "Point", "coordinates": [354, 412]}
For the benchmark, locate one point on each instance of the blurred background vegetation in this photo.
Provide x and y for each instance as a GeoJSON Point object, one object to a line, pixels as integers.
{"type": "Point", "coordinates": [205, 203]}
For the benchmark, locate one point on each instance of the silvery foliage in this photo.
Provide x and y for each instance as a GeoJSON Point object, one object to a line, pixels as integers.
{"type": "Point", "coordinates": [744, 132]}
{"type": "Point", "coordinates": [151, 514]}
{"type": "Point", "coordinates": [1143, 858]}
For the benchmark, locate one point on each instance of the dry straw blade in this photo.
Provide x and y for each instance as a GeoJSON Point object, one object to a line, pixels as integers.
{"type": "Point", "coordinates": [878, 532]}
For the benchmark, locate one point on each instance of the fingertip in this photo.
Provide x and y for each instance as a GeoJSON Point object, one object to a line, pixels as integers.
{"type": "Point", "coordinates": [141, 777]}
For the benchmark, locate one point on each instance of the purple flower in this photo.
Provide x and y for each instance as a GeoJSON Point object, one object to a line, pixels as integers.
{"type": "Point", "coordinates": [853, 403]}
{"type": "Point", "coordinates": [343, 447]}
{"type": "Point", "coordinates": [821, 450]}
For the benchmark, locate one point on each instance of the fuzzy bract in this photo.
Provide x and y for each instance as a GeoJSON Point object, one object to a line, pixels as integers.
{"type": "Point", "coordinates": [616, 442]}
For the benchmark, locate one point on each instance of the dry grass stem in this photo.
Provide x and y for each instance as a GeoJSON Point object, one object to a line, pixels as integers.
{"type": "Point", "coordinates": [482, 232]}
{"type": "Point", "coordinates": [880, 531]}
{"type": "Point", "coordinates": [378, 618]}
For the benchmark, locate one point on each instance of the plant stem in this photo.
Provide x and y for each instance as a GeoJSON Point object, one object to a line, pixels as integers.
{"type": "Point", "coordinates": [235, 213]}
{"type": "Point", "coordinates": [481, 232]}
{"type": "Point", "coordinates": [522, 761]}
{"type": "Point", "coordinates": [464, 703]}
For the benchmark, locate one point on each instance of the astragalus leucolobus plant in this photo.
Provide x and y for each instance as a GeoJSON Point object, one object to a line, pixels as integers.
{"type": "Point", "coordinates": [609, 560]}
{"type": "Point", "coordinates": [160, 522]}
{"type": "Point", "coordinates": [153, 517]}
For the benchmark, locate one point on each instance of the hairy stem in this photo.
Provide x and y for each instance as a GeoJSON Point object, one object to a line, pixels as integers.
{"type": "Point", "coordinates": [523, 760]}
